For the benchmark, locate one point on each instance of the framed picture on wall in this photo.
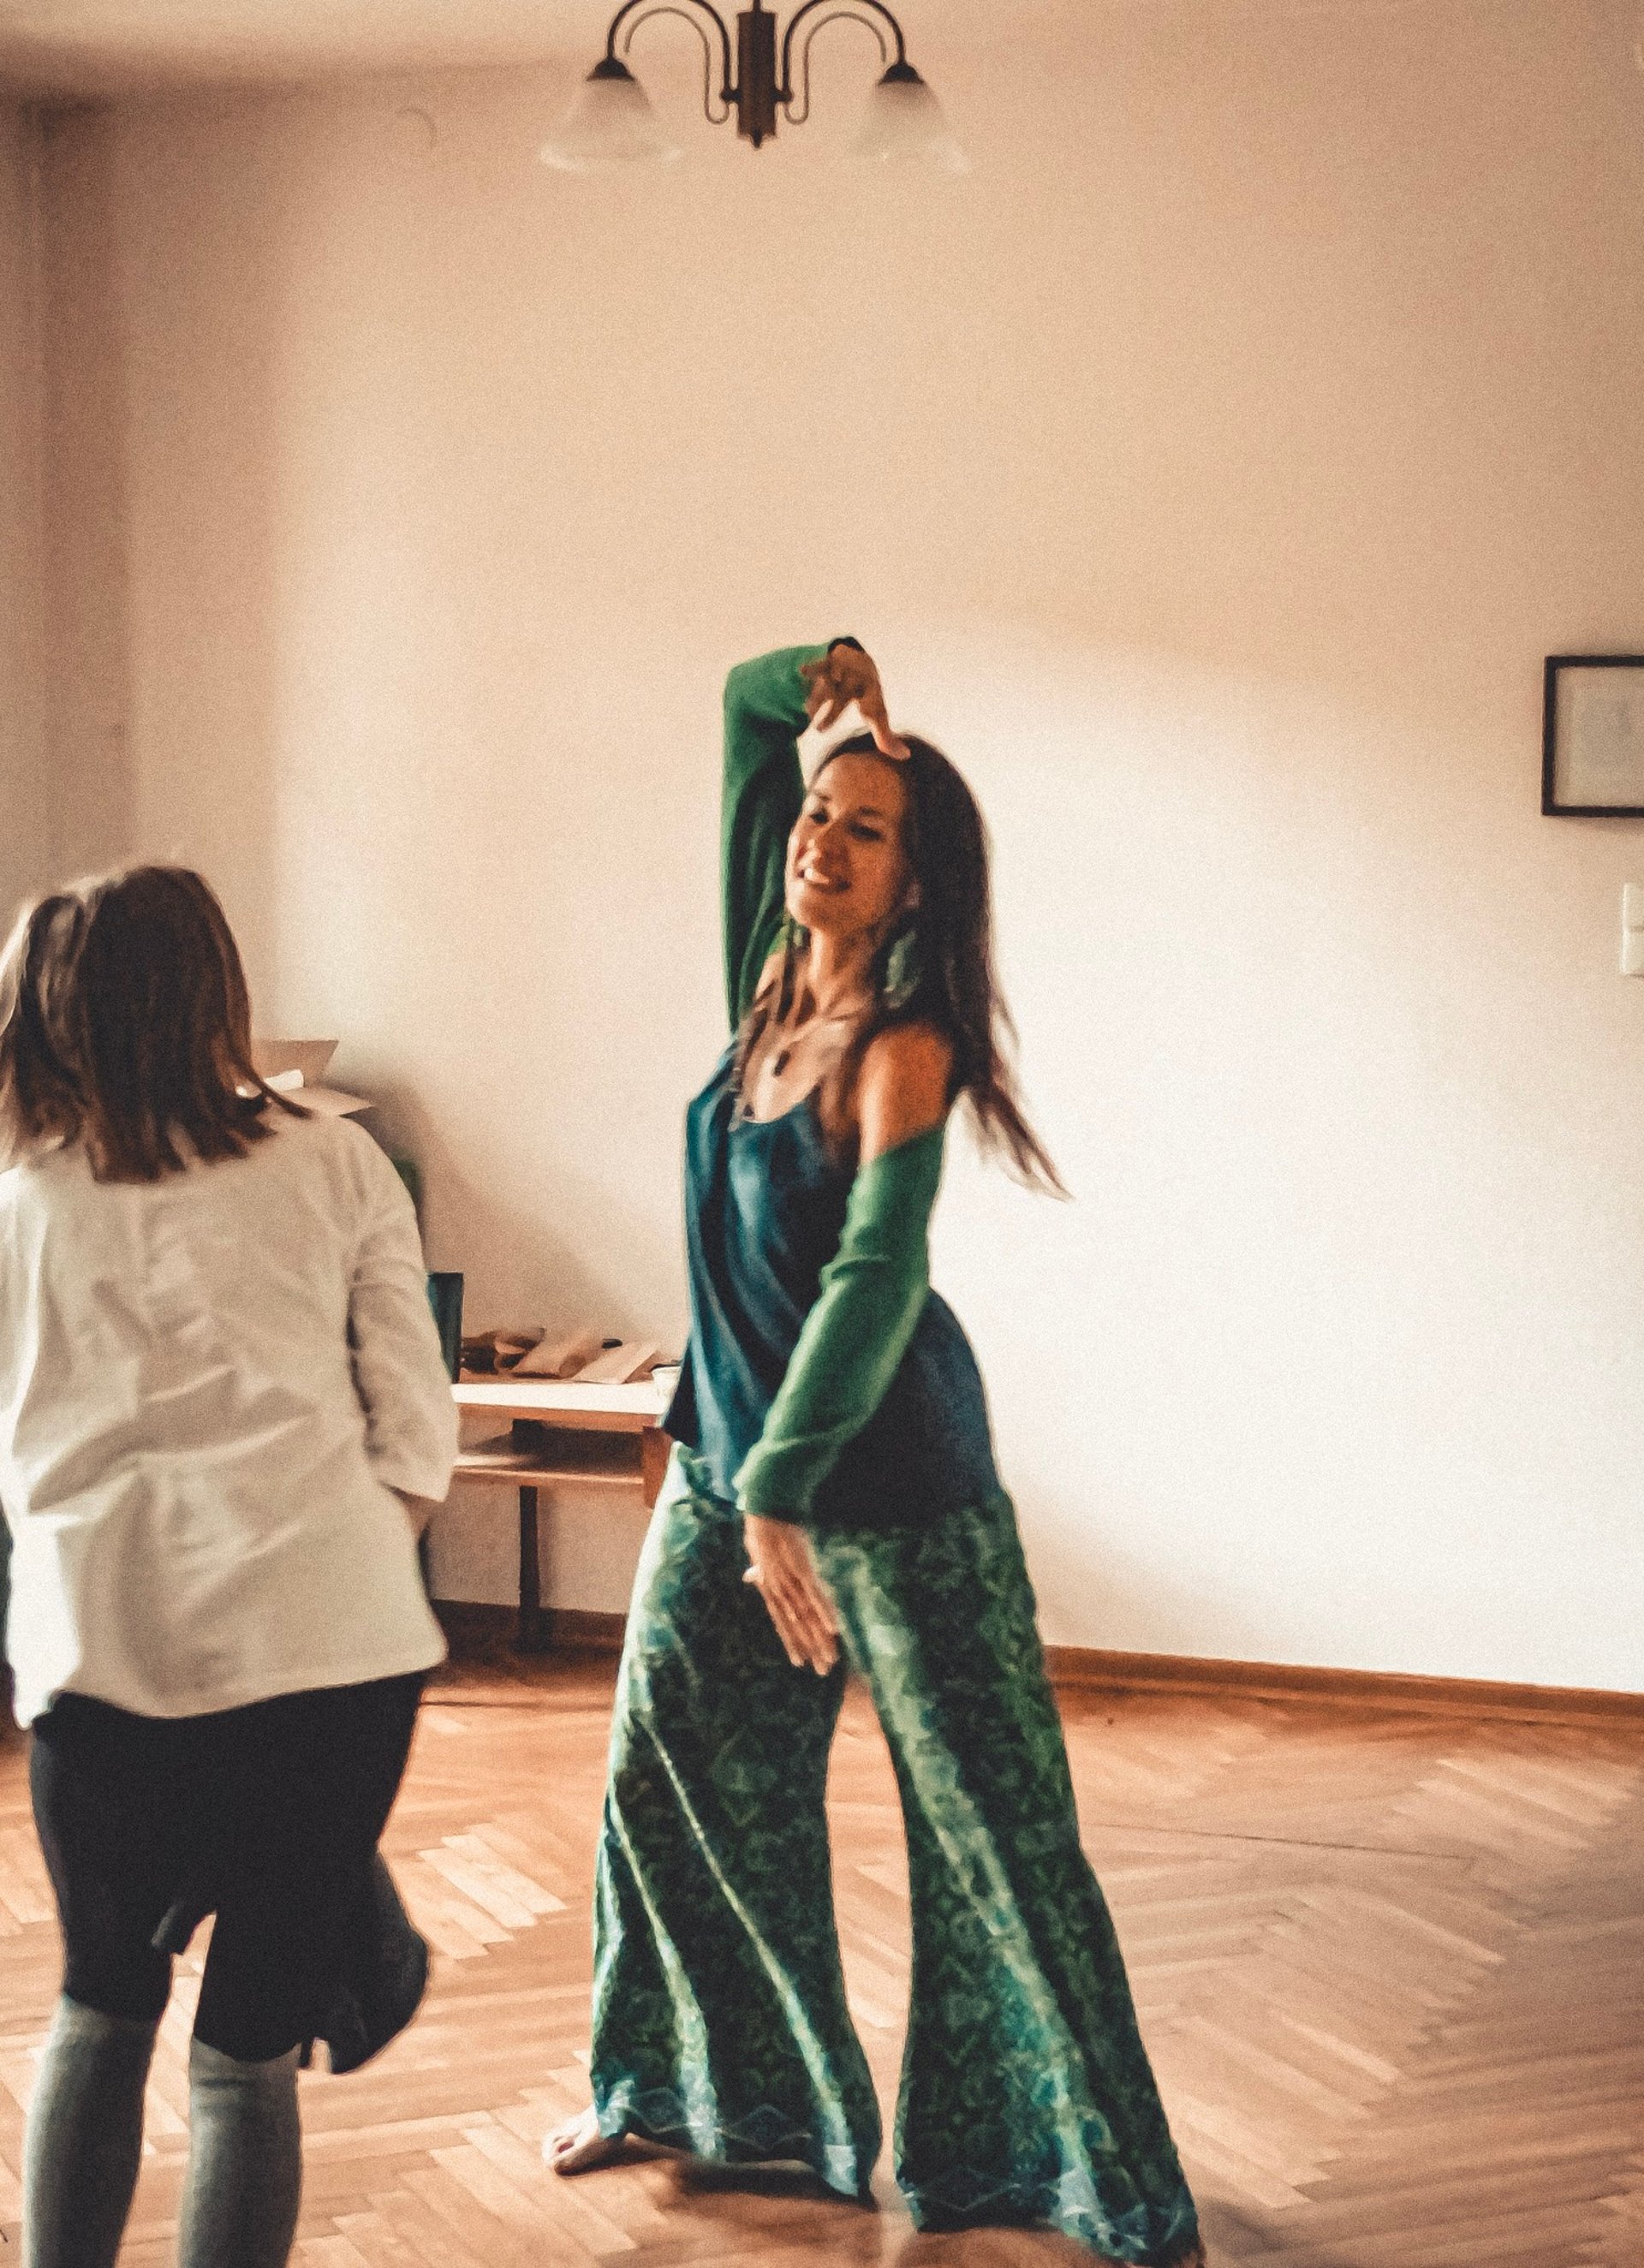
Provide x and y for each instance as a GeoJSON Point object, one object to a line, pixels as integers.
{"type": "Point", "coordinates": [1592, 736]}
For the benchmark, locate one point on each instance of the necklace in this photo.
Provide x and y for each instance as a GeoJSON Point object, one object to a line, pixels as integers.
{"type": "Point", "coordinates": [781, 1056]}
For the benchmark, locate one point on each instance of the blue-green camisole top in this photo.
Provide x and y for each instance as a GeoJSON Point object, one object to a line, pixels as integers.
{"type": "Point", "coordinates": [765, 1203]}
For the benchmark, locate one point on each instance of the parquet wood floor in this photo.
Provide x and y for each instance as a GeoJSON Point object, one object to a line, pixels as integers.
{"type": "Point", "coordinates": [1391, 1968]}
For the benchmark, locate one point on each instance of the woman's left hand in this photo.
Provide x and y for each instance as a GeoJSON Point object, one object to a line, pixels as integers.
{"type": "Point", "coordinates": [784, 1573]}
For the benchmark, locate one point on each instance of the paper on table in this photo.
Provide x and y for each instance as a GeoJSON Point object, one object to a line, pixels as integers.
{"type": "Point", "coordinates": [275, 1060]}
{"type": "Point", "coordinates": [574, 1397]}
{"type": "Point", "coordinates": [616, 1365]}
{"type": "Point", "coordinates": [560, 1358]}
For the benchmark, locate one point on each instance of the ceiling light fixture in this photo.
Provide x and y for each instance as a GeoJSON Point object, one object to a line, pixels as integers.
{"type": "Point", "coordinates": [610, 120]}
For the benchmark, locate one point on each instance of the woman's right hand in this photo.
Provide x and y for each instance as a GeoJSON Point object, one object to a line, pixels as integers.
{"type": "Point", "coordinates": [846, 674]}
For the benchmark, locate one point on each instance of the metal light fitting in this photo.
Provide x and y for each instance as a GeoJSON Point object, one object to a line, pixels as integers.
{"type": "Point", "coordinates": [765, 76]}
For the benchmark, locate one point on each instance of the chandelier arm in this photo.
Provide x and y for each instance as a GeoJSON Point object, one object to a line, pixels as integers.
{"type": "Point", "coordinates": [785, 93]}
{"type": "Point", "coordinates": [842, 8]}
{"type": "Point", "coordinates": [672, 8]}
{"type": "Point", "coordinates": [727, 90]}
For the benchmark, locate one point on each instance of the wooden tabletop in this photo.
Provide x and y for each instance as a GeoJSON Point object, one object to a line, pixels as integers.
{"type": "Point", "coordinates": [558, 1402]}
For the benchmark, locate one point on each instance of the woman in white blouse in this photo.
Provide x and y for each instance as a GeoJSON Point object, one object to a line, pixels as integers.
{"type": "Point", "coordinates": [221, 1394]}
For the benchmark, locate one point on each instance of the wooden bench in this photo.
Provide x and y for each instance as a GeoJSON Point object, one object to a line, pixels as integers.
{"type": "Point", "coordinates": [560, 1434]}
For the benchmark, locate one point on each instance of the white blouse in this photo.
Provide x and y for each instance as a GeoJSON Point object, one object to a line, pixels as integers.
{"type": "Point", "coordinates": [209, 1387]}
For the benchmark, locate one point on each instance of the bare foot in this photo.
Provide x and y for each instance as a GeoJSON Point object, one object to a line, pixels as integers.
{"type": "Point", "coordinates": [578, 2147]}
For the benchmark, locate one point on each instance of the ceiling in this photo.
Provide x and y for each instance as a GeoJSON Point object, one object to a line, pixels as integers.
{"type": "Point", "coordinates": [78, 49]}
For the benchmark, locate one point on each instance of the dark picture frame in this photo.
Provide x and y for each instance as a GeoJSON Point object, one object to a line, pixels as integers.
{"type": "Point", "coordinates": [1592, 736]}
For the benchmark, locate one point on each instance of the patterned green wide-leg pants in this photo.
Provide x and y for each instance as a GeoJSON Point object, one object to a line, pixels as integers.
{"type": "Point", "coordinates": [719, 2018]}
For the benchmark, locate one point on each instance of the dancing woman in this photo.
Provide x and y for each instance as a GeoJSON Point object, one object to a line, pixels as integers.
{"type": "Point", "coordinates": [835, 1477]}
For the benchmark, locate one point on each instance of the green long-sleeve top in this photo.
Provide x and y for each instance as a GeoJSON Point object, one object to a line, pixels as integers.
{"type": "Point", "coordinates": [824, 1381]}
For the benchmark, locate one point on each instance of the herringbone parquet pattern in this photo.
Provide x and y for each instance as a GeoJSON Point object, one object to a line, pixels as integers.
{"type": "Point", "coordinates": [1391, 1968]}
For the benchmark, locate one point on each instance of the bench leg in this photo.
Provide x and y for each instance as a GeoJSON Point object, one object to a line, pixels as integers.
{"type": "Point", "coordinates": [531, 1636]}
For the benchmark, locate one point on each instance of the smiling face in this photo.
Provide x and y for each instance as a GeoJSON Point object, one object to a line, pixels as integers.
{"type": "Point", "coordinates": [847, 871]}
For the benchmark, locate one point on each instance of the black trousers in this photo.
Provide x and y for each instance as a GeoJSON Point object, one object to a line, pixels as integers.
{"type": "Point", "coordinates": [267, 1816]}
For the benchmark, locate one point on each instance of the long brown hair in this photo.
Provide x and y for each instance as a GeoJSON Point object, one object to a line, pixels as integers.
{"type": "Point", "coordinates": [125, 1026]}
{"type": "Point", "coordinates": [936, 966]}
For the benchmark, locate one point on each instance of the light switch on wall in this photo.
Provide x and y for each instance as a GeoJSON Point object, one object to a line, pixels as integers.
{"type": "Point", "coordinates": [1633, 929]}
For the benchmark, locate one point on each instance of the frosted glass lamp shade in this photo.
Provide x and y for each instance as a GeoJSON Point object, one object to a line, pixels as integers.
{"type": "Point", "coordinates": [609, 122]}
{"type": "Point", "coordinates": [904, 124]}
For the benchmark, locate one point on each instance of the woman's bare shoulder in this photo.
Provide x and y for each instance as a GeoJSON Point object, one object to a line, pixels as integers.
{"type": "Point", "coordinates": [908, 1052]}
{"type": "Point", "coordinates": [906, 1085]}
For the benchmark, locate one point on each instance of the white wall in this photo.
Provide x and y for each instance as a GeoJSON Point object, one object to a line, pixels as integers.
{"type": "Point", "coordinates": [65, 802]}
{"type": "Point", "coordinates": [1210, 471]}
{"type": "Point", "coordinates": [84, 601]}
{"type": "Point", "coordinates": [26, 845]}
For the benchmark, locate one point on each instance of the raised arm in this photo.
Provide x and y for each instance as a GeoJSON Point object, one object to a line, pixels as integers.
{"type": "Point", "coordinates": [764, 714]}
{"type": "Point", "coordinates": [767, 705]}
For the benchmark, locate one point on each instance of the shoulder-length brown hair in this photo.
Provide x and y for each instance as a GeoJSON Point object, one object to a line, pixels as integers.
{"type": "Point", "coordinates": [125, 1026]}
